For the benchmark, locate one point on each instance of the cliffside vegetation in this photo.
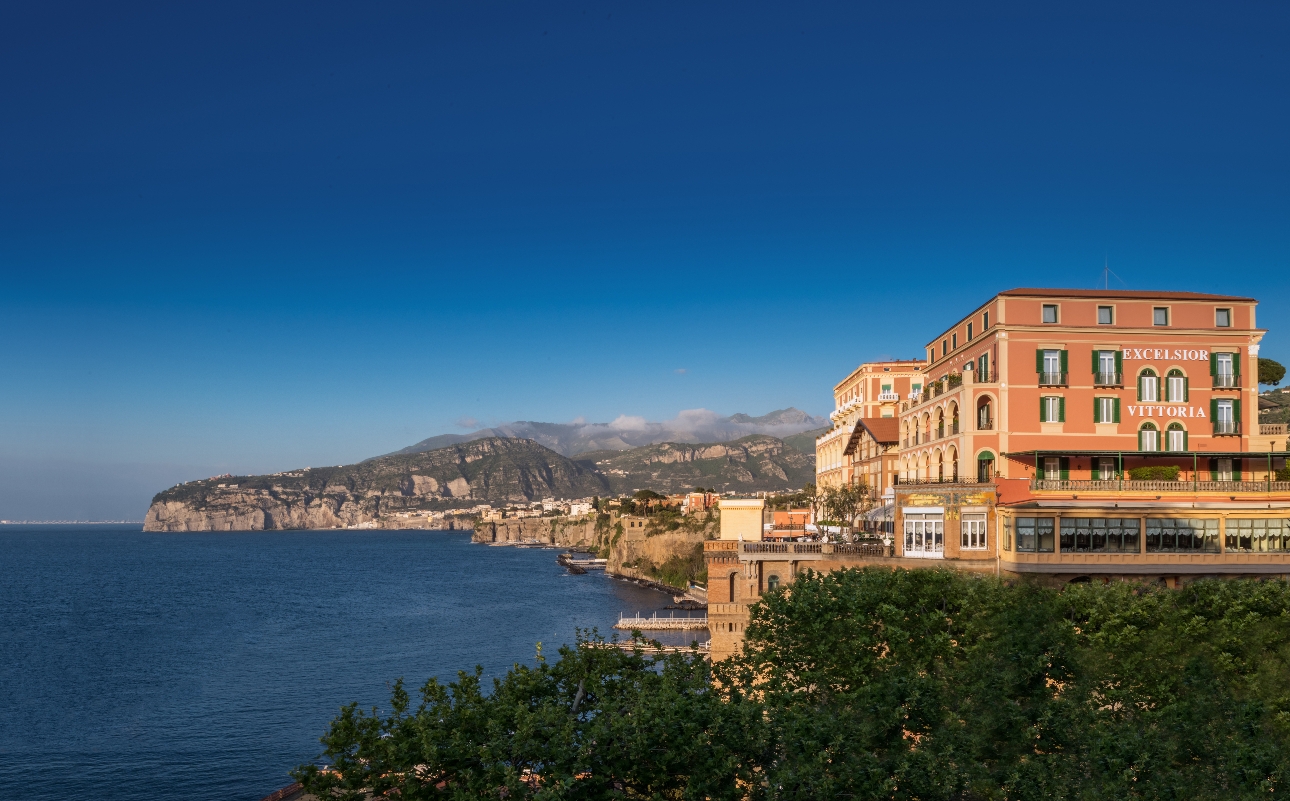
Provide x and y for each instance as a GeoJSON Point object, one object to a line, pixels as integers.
{"type": "Point", "coordinates": [873, 684]}
{"type": "Point", "coordinates": [751, 464]}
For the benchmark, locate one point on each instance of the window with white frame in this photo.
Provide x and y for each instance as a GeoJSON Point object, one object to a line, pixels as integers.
{"type": "Point", "coordinates": [1223, 318]}
{"type": "Point", "coordinates": [1108, 410]}
{"type": "Point", "coordinates": [1148, 438]}
{"type": "Point", "coordinates": [1105, 315]}
{"type": "Point", "coordinates": [1052, 409]}
{"type": "Point", "coordinates": [1050, 312]}
{"type": "Point", "coordinates": [1175, 438]}
{"type": "Point", "coordinates": [1223, 364]}
{"type": "Point", "coordinates": [1224, 416]}
{"type": "Point", "coordinates": [1106, 468]}
{"type": "Point", "coordinates": [972, 532]}
{"type": "Point", "coordinates": [1223, 469]}
{"type": "Point", "coordinates": [1160, 315]}
{"type": "Point", "coordinates": [1175, 387]}
{"type": "Point", "coordinates": [1148, 386]}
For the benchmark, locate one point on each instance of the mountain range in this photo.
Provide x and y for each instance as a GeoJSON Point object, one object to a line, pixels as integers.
{"type": "Point", "coordinates": [624, 433]}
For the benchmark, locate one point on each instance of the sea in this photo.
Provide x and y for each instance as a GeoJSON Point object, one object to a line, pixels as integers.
{"type": "Point", "coordinates": [139, 665]}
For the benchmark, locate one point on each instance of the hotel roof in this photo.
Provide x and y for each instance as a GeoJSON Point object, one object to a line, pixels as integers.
{"type": "Point", "coordinates": [1127, 294]}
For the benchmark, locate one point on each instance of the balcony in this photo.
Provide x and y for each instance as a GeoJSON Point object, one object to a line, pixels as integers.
{"type": "Point", "coordinates": [1052, 379]}
{"type": "Point", "coordinates": [985, 425]}
{"type": "Point", "coordinates": [930, 481]}
{"type": "Point", "coordinates": [1116, 485]}
{"type": "Point", "coordinates": [1226, 381]}
{"type": "Point", "coordinates": [1109, 379]}
{"type": "Point", "coordinates": [1272, 429]}
{"type": "Point", "coordinates": [984, 377]}
{"type": "Point", "coordinates": [1226, 428]}
{"type": "Point", "coordinates": [886, 397]}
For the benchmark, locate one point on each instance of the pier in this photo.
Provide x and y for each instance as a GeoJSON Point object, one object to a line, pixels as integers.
{"type": "Point", "coordinates": [656, 623]}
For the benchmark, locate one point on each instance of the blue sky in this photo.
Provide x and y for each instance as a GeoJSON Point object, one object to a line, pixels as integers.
{"type": "Point", "coordinates": [250, 237]}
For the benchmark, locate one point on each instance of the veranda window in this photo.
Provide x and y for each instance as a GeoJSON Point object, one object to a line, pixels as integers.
{"type": "Point", "coordinates": [1182, 535]}
{"type": "Point", "coordinates": [1100, 535]}
{"type": "Point", "coordinates": [1035, 534]}
{"type": "Point", "coordinates": [1258, 535]}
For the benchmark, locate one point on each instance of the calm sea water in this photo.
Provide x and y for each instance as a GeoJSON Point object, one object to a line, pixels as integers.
{"type": "Point", "coordinates": [205, 666]}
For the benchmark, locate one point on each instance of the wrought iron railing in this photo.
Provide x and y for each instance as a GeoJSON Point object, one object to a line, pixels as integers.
{"type": "Point", "coordinates": [1127, 485]}
{"type": "Point", "coordinates": [1226, 427]}
{"type": "Point", "coordinates": [985, 425]}
{"type": "Point", "coordinates": [1052, 379]}
{"type": "Point", "coordinates": [1226, 380]}
{"type": "Point", "coordinates": [1109, 379]}
{"type": "Point", "coordinates": [945, 480]}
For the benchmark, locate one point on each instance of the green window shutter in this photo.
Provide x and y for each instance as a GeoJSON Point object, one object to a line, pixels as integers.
{"type": "Point", "coordinates": [1213, 469]}
{"type": "Point", "coordinates": [1039, 361]}
{"type": "Point", "coordinates": [1066, 468]}
{"type": "Point", "coordinates": [1097, 410]}
{"type": "Point", "coordinates": [1185, 441]}
{"type": "Point", "coordinates": [1039, 468]}
{"type": "Point", "coordinates": [1139, 439]}
{"type": "Point", "coordinates": [1061, 410]}
{"type": "Point", "coordinates": [1213, 412]}
{"type": "Point", "coordinates": [1119, 362]}
{"type": "Point", "coordinates": [1115, 407]}
{"type": "Point", "coordinates": [1236, 411]}
{"type": "Point", "coordinates": [1062, 360]}
{"type": "Point", "coordinates": [1213, 364]}
{"type": "Point", "coordinates": [1139, 389]}
{"type": "Point", "coordinates": [1043, 409]}
{"type": "Point", "coordinates": [1236, 364]}
{"type": "Point", "coordinates": [1186, 389]}
{"type": "Point", "coordinates": [1236, 469]}
{"type": "Point", "coordinates": [1097, 360]}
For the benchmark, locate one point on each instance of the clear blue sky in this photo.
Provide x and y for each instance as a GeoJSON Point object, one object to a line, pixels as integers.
{"type": "Point", "coordinates": [256, 236]}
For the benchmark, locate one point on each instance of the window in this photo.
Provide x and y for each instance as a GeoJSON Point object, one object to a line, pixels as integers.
{"type": "Point", "coordinates": [972, 533]}
{"type": "Point", "coordinates": [1175, 438]}
{"type": "Point", "coordinates": [1100, 535]}
{"type": "Point", "coordinates": [1148, 386]}
{"type": "Point", "coordinates": [984, 467]}
{"type": "Point", "coordinates": [924, 535]}
{"type": "Point", "coordinates": [944, 347]}
{"type": "Point", "coordinates": [1106, 410]}
{"type": "Point", "coordinates": [1051, 366]}
{"type": "Point", "coordinates": [1052, 467]}
{"type": "Point", "coordinates": [985, 320]}
{"type": "Point", "coordinates": [1105, 469]}
{"type": "Point", "coordinates": [1176, 387]}
{"type": "Point", "coordinates": [1105, 315]}
{"type": "Point", "coordinates": [1226, 414]}
{"type": "Point", "coordinates": [1260, 535]}
{"type": "Point", "coordinates": [1148, 438]}
{"type": "Point", "coordinates": [1223, 318]}
{"type": "Point", "coordinates": [1107, 367]}
{"type": "Point", "coordinates": [1052, 409]}
{"type": "Point", "coordinates": [954, 341]}
{"type": "Point", "coordinates": [983, 368]}
{"type": "Point", "coordinates": [1225, 368]}
{"type": "Point", "coordinates": [984, 422]}
{"type": "Point", "coordinates": [1173, 535]}
{"type": "Point", "coordinates": [1050, 313]}
{"type": "Point", "coordinates": [969, 332]}
{"type": "Point", "coordinates": [772, 583]}
{"type": "Point", "coordinates": [1035, 534]}
{"type": "Point", "coordinates": [1222, 470]}
{"type": "Point", "coordinates": [1160, 315]}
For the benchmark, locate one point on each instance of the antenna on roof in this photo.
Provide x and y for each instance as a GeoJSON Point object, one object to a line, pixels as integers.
{"type": "Point", "coordinates": [1107, 272]}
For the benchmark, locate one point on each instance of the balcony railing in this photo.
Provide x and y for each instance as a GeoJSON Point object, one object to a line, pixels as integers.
{"type": "Point", "coordinates": [1109, 379]}
{"type": "Point", "coordinates": [883, 397]}
{"type": "Point", "coordinates": [985, 425]}
{"type": "Point", "coordinates": [954, 428]}
{"type": "Point", "coordinates": [984, 377]}
{"type": "Point", "coordinates": [1052, 379]}
{"type": "Point", "coordinates": [946, 480]}
{"type": "Point", "coordinates": [1272, 429]}
{"type": "Point", "coordinates": [1222, 427]}
{"type": "Point", "coordinates": [1116, 485]}
{"type": "Point", "coordinates": [1226, 380]}
{"type": "Point", "coordinates": [858, 549]}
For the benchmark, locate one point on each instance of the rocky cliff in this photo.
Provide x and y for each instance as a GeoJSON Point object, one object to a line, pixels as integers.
{"type": "Point", "coordinates": [496, 471]}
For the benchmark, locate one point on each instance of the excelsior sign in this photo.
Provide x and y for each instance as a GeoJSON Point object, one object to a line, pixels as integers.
{"type": "Point", "coordinates": [1157, 354]}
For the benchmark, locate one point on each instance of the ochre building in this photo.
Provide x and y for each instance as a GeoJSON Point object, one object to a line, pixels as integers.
{"type": "Point", "coordinates": [1077, 435]}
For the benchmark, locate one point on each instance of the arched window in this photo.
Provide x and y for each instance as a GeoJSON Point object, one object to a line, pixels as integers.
{"type": "Point", "coordinates": [954, 418]}
{"type": "Point", "coordinates": [985, 466]}
{"type": "Point", "coordinates": [732, 587]}
{"type": "Point", "coordinates": [772, 583]}
{"type": "Point", "coordinates": [1148, 386]}
{"type": "Point", "coordinates": [984, 418]}
{"type": "Point", "coordinates": [1148, 438]}
{"type": "Point", "coordinates": [1176, 390]}
{"type": "Point", "coordinates": [1175, 438]}
{"type": "Point", "coordinates": [954, 464]}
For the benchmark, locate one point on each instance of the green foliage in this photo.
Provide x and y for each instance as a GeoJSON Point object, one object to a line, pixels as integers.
{"type": "Point", "coordinates": [647, 495]}
{"type": "Point", "coordinates": [1155, 473]}
{"type": "Point", "coordinates": [1283, 474]}
{"type": "Point", "coordinates": [873, 684]}
{"type": "Point", "coordinates": [1271, 372]}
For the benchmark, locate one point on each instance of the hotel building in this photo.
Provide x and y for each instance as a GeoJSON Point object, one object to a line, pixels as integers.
{"type": "Point", "coordinates": [873, 390]}
{"type": "Point", "coordinates": [1077, 435]}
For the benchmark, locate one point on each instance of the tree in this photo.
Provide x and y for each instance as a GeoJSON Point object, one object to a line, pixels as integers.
{"type": "Point", "coordinates": [1271, 372]}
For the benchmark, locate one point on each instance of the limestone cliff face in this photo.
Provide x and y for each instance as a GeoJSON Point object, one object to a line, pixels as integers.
{"type": "Point", "coordinates": [490, 470]}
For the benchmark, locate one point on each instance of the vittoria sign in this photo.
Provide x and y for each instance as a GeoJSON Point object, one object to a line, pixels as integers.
{"type": "Point", "coordinates": [1166, 411]}
{"type": "Point", "coordinates": [1158, 354]}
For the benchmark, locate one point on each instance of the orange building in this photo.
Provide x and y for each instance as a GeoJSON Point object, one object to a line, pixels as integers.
{"type": "Point", "coordinates": [1077, 435]}
{"type": "Point", "coordinates": [872, 390]}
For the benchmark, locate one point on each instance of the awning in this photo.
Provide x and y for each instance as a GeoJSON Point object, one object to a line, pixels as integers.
{"type": "Point", "coordinates": [879, 514]}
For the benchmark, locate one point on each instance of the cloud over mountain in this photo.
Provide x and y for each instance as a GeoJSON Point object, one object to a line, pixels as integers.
{"type": "Point", "coordinates": [628, 431]}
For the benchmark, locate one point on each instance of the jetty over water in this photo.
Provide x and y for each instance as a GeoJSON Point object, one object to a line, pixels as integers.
{"type": "Point", "coordinates": [658, 623]}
